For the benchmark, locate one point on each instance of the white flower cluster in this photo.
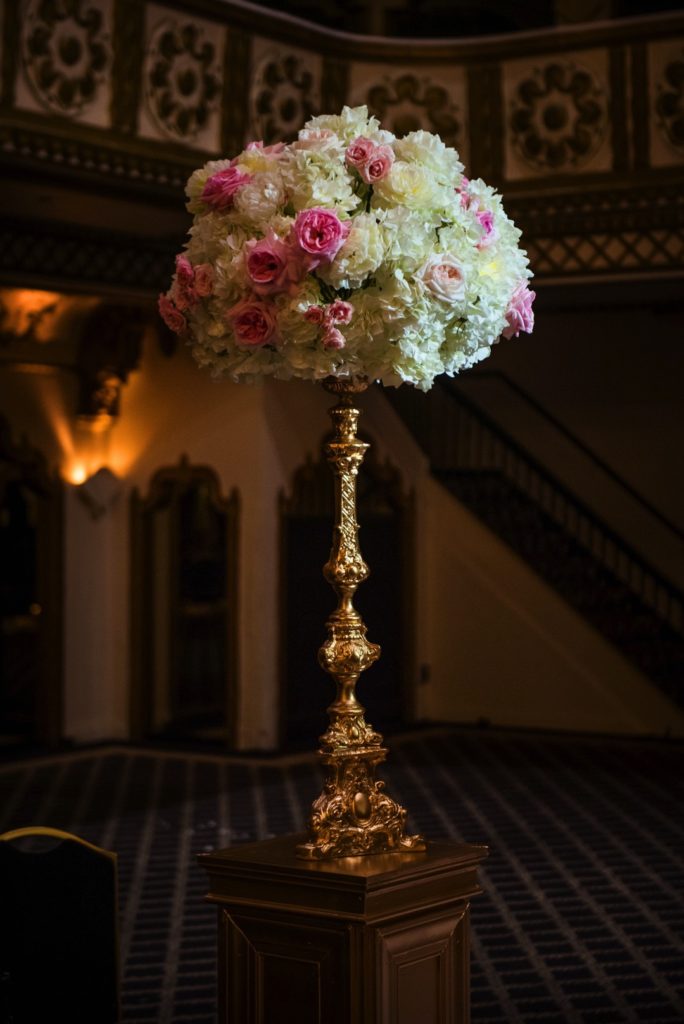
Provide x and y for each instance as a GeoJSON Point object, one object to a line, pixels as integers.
{"type": "Point", "coordinates": [348, 253]}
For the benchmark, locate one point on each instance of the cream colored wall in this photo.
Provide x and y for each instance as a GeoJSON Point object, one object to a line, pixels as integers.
{"type": "Point", "coordinates": [505, 648]}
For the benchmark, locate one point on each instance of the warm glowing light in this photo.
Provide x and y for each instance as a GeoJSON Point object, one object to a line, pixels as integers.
{"type": "Point", "coordinates": [76, 474]}
{"type": "Point", "coordinates": [28, 313]}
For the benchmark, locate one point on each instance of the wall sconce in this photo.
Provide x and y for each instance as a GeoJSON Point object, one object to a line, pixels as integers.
{"type": "Point", "coordinates": [99, 492]}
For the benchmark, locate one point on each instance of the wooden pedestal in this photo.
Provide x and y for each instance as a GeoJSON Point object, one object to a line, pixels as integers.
{"type": "Point", "coordinates": [362, 940]}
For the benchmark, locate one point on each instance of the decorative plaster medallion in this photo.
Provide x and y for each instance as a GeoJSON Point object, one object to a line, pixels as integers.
{"type": "Point", "coordinates": [182, 78]}
{"type": "Point", "coordinates": [284, 94]}
{"type": "Point", "coordinates": [408, 102]}
{"type": "Point", "coordinates": [669, 101]}
{"type": "Point", "coordinates": [66, 53]}
{"type": "Point", "coordinates": [559, 116]}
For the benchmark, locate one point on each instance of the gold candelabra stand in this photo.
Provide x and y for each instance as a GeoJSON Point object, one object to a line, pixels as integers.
{"type": "Point", "coordinates": [353, 815]}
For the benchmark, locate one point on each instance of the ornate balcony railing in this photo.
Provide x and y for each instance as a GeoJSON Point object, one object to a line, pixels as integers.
{"type": "Point", "coordinates": [581, 127]}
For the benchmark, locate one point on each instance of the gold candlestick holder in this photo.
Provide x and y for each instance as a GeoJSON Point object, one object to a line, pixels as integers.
{"type": "Point", "coordinates": [353, 815]}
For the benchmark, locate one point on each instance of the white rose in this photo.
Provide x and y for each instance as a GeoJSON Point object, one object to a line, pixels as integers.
{"type": "Point", "coordinates": [442, 275]}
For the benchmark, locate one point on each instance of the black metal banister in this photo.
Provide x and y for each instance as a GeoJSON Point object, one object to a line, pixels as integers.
{"type": "Point", "coordinates": [459, 437]}
{"type": "Point", "coordinates": [581, 445]}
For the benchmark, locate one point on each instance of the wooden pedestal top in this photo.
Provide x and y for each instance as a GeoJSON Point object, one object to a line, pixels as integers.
{"type": "Point", "coordinates": [270, 874]}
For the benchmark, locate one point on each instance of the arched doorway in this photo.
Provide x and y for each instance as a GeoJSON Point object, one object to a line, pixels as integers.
{"type": "Point", "coordinates": [184, 607]}
{"type": "Point", "coordinates": [385, 600]}
{"type": "Point", "coordinates": [31, 543]}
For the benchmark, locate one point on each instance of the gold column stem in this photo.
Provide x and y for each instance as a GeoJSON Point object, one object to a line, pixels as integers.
{"type": "Point", "coordinates": [353, 815]}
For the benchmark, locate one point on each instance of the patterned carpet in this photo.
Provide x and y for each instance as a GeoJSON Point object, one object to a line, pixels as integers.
{"type": "Point", "coordinates": [583, 914]}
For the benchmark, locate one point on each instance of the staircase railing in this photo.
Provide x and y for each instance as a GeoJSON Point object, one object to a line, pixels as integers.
{"type": "Point", "coordinates": [458, 436]}
{"type": "Point", "coordinates": [589, 453]}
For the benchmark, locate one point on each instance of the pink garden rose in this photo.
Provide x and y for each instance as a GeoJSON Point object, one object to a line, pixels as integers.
{"type": "Point", "coordinates": [371, 161]}
{"type": "Point", "coordinates": [219, 191]}
{"type": "Point", "coordinates": [204, 279]}
{"type": "Point", "coordinates": [253, 322]}
{"type": "Point", "coordinates": [315, 315]}
{"type": "Point", "coordinates": [333, 338]}
{"type": "Point", "coordinates": [272, 265]}
{"type": "Point", "coordinates": [339, 312]}
{"type": "Point", "coordinates": [171, 316]}
{"type": "Point", "coordinates": [318, 139]}
{"type": "Point", "coordinates": [359, 152]}
{"type": "Point", "coordinates": [519, 314]}
{"type": "Point", "coordinates": [320, 234]}
{"type": "Point", "coordinates": [183, 291]}
{"type": "Point", "coordinates": [378, 165]}
{"type": "Point", "coordinates": [442, 275]}
{"type": "Point", "coordinates": [274, 150]}
{"type": "Point", "coordinates": [490, 232]}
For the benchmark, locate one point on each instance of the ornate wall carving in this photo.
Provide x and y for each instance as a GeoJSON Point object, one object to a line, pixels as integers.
{"type": "Point", "coordinates": [557, 115]}
{"type": "Point", "coordinates": [66, 57]}
{"type": "Point", "coordinates": [182, 79]}
{"type": "Point", "coordinates": [666, 88]}
{"type": "Point", "coordinates": [284, 91]}
{"type": "Point", "coordinates": [407, 99]}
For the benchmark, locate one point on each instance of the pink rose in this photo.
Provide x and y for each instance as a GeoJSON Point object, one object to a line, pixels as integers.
{"type": "Point", "coordinates": [319, 139]}
{"type": "Point", "coordinates": [519, 314]}
{"type": "Point", "coordinates": [272, 264]}
{"type": "Point", "coordinates": [219, 191]}
{"type": "Point", "coordinates": [171, 316]}
{"type": "Point", "coordinates": [490, 232]}
{"type": "Point", "coordinates": [333, 338]}
{"type": "Point", "coordinates": [339, 312]}
{"type": "Point", "coordinates": [466, 199]}
{"type": "Point", "coordinates": [378, 164]}
{"type": "Point", "coordinates": [184, 272]}
{"type": "Point", "coordinates": [183, 292]}
{"type": "Point", "coordinates": [359, 152]}
{"type": "Point", "coordinates": [320, 234]}
{"type": "Point", "coordinates": [315, 314]}
{"type": "Point", "coordinates": [274, 150]}
{"type": "Point", "coordinates": [204, 279]}
{"type": "Point", "coordinates": [253, 322]}
{"type": "Point", "coordinates": [443, 276]}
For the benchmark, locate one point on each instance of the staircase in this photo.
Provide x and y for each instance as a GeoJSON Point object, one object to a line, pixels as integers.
{"type": "Point", "coordinates": [564, 541]}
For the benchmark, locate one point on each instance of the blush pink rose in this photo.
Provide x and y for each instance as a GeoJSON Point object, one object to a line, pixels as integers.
{"type": "Point", "coordinates": [253, 322]}
{"type": "Point", "coordinates": [378, 165]}
{"type": "Point", "coordinates": [333, 338]}
{"type": "Point", "coordinates": [272, 265]}
{"type": "Point", "coordinates": [359, 152]}
{"type": "Point", "coordinates": [315, 314]}
{"type": "Point", "coordinates": [320, 234]}
{"type": "Point", "coordinates": [442, 275]}
{"type": "Point", "coordinates": [519, 315]}
{"type": "Point", "coordinates": [171, 315]}
{"type": "Point", "coordinates": [466, 198]}
{"type": "Point", "coordinates": [490, 232]}
{"type": "Point", "coordinates": [339, 312]}
{"type": "Point", "coordinates": [320, 139]}
{"type": "Point", "coordinates": [204, 279]}
{"type": "Point", "coordinates": [219, 191]}
{"type": "Point", "coordinates": [274, 150]}
{"type": "Point", "coordinates": [183, 292]}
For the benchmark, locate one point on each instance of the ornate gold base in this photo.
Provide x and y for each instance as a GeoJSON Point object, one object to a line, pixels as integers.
{"type": "Point", "coordinates": [353, 816]}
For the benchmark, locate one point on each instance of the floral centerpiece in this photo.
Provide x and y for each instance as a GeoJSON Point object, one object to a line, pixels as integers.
{"type": "Point", "coordinates": [347, 253]}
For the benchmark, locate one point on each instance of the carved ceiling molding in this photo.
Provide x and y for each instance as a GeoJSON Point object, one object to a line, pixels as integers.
{"type": "Point", "coordinates": [40, 252]}
{"type": "Point", "coordinates": [107, 160]}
